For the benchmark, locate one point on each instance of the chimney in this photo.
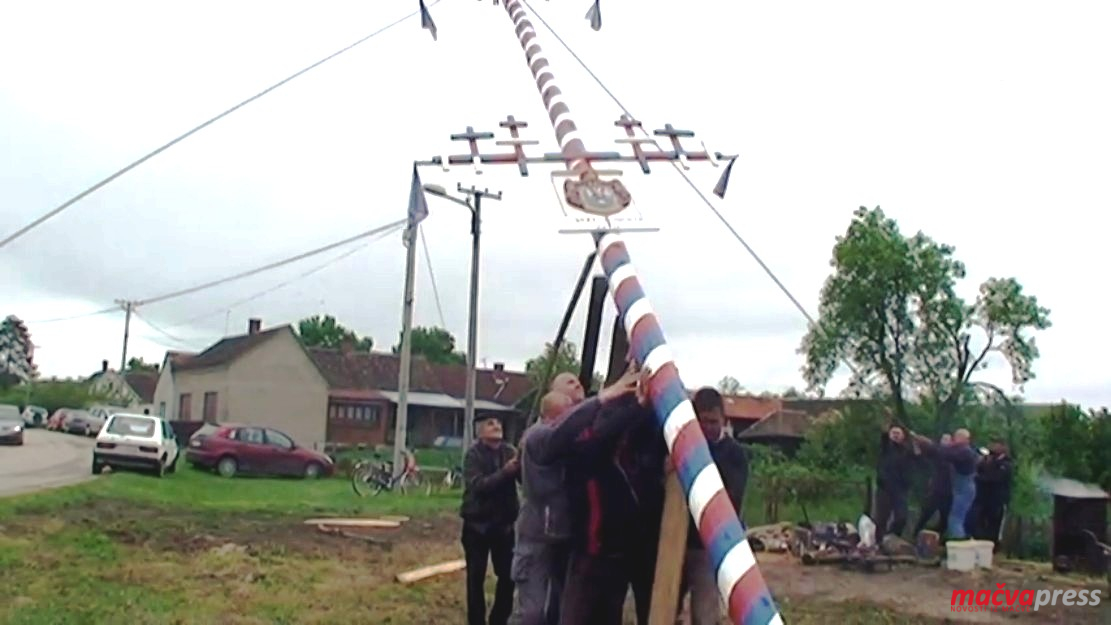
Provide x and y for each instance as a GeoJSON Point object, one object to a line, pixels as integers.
{"type": "Point", "coordinates": [499, 366]}
{"type": "Point", "coordinates": [104, 366]}
{"type": "Point", "coordinates": [253, 326]}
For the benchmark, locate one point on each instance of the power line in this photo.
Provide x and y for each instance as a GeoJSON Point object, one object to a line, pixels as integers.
{"type": "Point", "coordinates": [160, 330]}
{"type": "Point", "coordinates": [70, 202]}
{"type": "Point", "coordinates": [282, 285]}
{"type": "Point", "coordinates": [75, 317]}
{"type": "Point", "coordinates": [274, 265]}
{"type": "Point", "coordinates": [690, 183]}
{"type": "Point", "coordinates": [432, 275]}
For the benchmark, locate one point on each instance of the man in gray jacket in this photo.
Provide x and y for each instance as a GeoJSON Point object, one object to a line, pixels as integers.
{"type": "Point", "coordinates": [544, 525]}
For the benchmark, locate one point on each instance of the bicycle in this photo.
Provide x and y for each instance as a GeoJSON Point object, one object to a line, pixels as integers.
{"type": "Point", "coordinates": [371, 477]}
{"type": "Point", "coordinates": [453, 477]}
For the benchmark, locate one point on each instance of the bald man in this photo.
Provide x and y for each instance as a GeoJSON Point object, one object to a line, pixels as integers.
{"type": "Point", "coordinates": [544, 525]}
{"type": "Point", "coordinates": [963, 458]}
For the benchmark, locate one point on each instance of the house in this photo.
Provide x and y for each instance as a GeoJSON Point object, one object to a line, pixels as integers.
{"type": "Point", "coordinates": [743, 411]}
{"type": "Point", "coordinates": [134, 389]}
{"type": "Point", "coordinates": [784, 429]}
{"type": "Point", "coordinates": [363, 397]}
{"type": "Point", "coordinates": [263, 377]}
{"type": "Point", "coordinates": [318, 396]}
{"type": "Point", "coordinates": [165, 398]}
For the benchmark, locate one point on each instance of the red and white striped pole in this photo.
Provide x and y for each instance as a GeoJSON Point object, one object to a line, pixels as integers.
{"type": "Point", "coordinates": [567, 134]}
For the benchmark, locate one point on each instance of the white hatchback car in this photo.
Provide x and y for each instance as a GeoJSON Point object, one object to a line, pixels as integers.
{"type": "Point", "coordinates": [136, 441]}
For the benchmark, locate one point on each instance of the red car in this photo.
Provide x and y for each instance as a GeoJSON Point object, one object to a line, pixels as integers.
{"type": "Point", "coordinates": [232, 449]}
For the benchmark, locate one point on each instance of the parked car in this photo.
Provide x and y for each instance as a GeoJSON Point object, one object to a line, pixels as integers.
{"type": "Point", "coordinates": [98, 416]}
{"type": "Point", "coordinates": [34, 416]}
{"type": "Point", "coordinates": [57, 420]}
{"type": "Point", "coordinates": [11, 425]}
{"type": "Point", "coordinates": [79, 422]}
{"type": "Point", "coordinates": [135, 441]}
{"type": "Point", "coordinates": [232, 449]}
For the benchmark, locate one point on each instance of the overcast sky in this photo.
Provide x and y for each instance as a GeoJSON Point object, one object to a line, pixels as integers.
{"type": "Point", "coordinates": [984, 124]}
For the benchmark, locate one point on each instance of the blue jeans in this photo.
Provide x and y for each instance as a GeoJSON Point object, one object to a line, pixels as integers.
{"type": "Point", "coordinates": [964, 492]}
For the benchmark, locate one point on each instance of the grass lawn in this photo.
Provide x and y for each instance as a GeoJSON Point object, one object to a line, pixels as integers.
{"type": "Point", "coordinates": [196, 549]}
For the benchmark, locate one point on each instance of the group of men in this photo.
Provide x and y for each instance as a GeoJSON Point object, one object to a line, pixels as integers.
{"type": "Point", "coordinates": [969, 490]}
{"type": "Point", "coordinates": [591, 473]}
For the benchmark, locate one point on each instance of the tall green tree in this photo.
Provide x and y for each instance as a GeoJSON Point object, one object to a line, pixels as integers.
{"type": "Point", "coordinates": [16, 353]}
{"type": "Point", "coordinates": [325, 331]}
{"type": "Point", "coordinates": [435, 344]}
{"type": "Point", "coordinates": [729, 385]}
{"type": "Point", "coordinates": [890, 310]}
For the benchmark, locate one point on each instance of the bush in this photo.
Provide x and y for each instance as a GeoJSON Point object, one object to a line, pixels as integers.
{"type": "Point", "coordinates": [53, 394]}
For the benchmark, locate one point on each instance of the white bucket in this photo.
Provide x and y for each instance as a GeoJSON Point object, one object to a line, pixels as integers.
{"type": "Point", "coordinates": [961, 555]}
{"type": "Point", "coordinates": [967, 555]}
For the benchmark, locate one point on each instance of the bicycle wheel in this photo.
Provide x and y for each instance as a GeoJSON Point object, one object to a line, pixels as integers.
{"type": "Point", "coordinates": [362, 479]}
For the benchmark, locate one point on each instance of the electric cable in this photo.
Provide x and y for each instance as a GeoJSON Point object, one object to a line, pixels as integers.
{"type": "Point", "coordinates": [70, 202]}
{"type": "Point", "coordinates": [432, 275]}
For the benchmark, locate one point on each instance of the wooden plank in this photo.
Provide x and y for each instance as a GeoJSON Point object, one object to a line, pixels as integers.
{"type": "Point", "coordinates": [672, 552]}
{"type": "Point", "coordinates": [416, 575]}
{"type": "Point", "coordinates": [383, 523]}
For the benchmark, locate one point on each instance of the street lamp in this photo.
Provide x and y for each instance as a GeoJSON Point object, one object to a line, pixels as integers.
{"type": "Point", "coordinates": [472, 318]}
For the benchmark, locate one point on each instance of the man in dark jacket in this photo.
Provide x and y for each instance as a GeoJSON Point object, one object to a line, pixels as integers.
{"type": "Point", "coordinates": [893, 482]}
{"type": "Point", "coordinates": [544, 526]}
{"type": "Point", "coordinates": [732, 462]}
{"type": "Point", "coordinates": [940, 495]}
{"type": "Point", "coordinates": [490, 473]}
{"type": "Point", "coordinates": [993, 491]}
{"type": "Point", "coordinates": [609, 526]}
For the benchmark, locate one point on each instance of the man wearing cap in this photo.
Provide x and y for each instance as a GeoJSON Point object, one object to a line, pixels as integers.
{"type": "Point", "coordinates": [490, 473]}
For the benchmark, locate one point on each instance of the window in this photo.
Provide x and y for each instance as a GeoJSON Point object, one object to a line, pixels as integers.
{"type": "Point", "coordinates": [210, 407]}
{"type": "Point", "coordinates": [361, 413]}
{"type": "Point", "coordinates": [162, 409]}
{"type": "Point", "coordinates": [277, 439]}
{"type": "Point", "coordinates": [185, 407]}
{"type": "Point", "coordinates": [253, 436]}
{"type": "Point", "coordinates": [131, 426]}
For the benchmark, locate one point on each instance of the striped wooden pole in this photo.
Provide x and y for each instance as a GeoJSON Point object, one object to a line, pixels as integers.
{"type": "Point", "coordinates": [738, 577]}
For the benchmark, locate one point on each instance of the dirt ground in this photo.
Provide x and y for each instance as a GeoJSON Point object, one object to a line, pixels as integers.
{"type": "Point", "coordinates": [277, 566]}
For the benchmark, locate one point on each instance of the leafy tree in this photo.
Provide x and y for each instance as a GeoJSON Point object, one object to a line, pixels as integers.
{"type": "Point", "coordinates": [435, 344]}
{"type": "Point", "coordinates": [317, 331]}
{"type": "Point", "coordinates": [890, 310]}
{"type": "Point", "coordinates": [138, 364]}
{"type": "Point", "coordinates": [729, 385]}
{"type": "Point", "coordinates": [55, 394]}
{"type": "Point", "coordinates": [566, 360]}
{"type": "Point", "coordinates": [16, 353]}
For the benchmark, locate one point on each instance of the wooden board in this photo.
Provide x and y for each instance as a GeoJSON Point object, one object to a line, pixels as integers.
{"type": "Point", "coordinates": [671, 555]}
{"type": "Point", "coordinates": [408, 577]}
{"type": "Point", "coordinates": [383, 523]}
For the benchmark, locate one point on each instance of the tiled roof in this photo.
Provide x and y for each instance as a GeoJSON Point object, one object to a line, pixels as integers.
{"type": "Point", "coordinates": [750, 408]}
{"type": "Point", "coordinates": [227, 350]}
{"type": "Point", "coordinates": [143, 383]}
{"type": "Point", "coordinates": [789, 423]}
{"type": "Point", "coordinates": [377, 371]}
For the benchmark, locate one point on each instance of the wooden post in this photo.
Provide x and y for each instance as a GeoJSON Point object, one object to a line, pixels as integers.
{"type": "Point", "coordinates": [671, 554]}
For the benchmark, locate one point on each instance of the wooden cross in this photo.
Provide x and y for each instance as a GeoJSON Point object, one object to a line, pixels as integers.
{"type": "Point", "coordinates": [512, 124]}
{"type": "Point", "coordinates": [472, 137]}
{"type": "Point", "coordinates": [628, 123]}
{"type": "Point", "coordinates": [670, 132]}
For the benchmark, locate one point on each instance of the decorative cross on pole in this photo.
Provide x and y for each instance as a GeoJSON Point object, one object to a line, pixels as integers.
{"type": "Point", "coordinates": [472, 138]}
{"type": "Point", "coordinates": [517, 142]}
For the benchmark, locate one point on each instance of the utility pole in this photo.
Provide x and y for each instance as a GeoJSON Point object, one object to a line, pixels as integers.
{"type": "Point", "coordinates": [401, 428]}
{"type": "Point", "coordinates": [127, 307]}
{"type": "Point", "coordinates": [472, 329]}
{"type": "Point", "coordinates": [473, 204]}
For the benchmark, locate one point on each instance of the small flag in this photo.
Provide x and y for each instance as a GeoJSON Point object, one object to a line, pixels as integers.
{"type": "Point", "coordinates": [595, 15]}
{"type": "Point", "coordinates": [426, 20]}
{"type": "Point", "coordinates": [418, 204]}
{"type": "Point", "coordinates": [723, 182]}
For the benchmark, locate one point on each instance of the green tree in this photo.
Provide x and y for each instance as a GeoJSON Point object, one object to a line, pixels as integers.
{"type": "Point", "coordinates": [891, 311]}
{"type": "Point", "coordinates": [729, 385]}
{"type": "Point", "coordinates": [318, 331]}
{"type": "Point", "coordinates": [55, 394]}
{"type": "Point", "coordinates": [16, 353]}
{"type": "Point", "coordinates": [138, 364]}
{"type": "Point", "coordinates": [548, 364]}
{"type": "Point", "coordinates": [435, 344]}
